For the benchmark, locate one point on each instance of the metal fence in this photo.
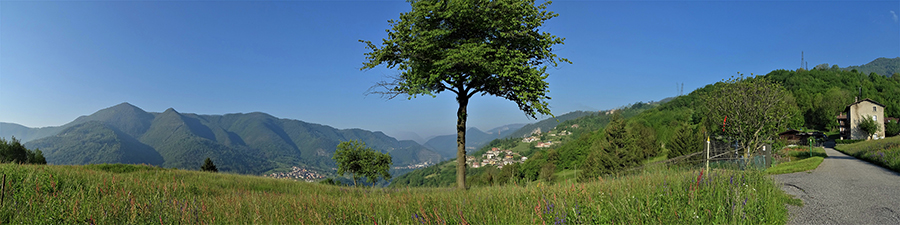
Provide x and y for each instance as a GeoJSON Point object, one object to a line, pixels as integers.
{"type": "Point", "coordinates": [715, 153]}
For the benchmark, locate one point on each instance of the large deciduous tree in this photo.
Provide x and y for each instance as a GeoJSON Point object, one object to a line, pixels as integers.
{"type": "Point", "coordinates": [756, 109]}
{"type": "Point", "coordinates": [360, 161]}
{"type": "Point", "coordinates": [469, 47]}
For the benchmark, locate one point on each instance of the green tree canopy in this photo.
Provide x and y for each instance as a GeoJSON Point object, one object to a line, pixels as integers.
{"type": "Point", "coordinates": [360, 161]}
{"type": "Point", "coordinates": [869, 125]}
{"type": "Point", "coordinates": [756, 109]}
{"type": "Point", "coordinates": [13, 151]}
{"type": "Point", "coordinates": [469, 47]}
{"type": "Point", "coordinates": [687, 140]}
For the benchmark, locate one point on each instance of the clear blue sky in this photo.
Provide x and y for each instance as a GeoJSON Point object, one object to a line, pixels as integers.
{"type": "Point", "coordinates": [300, 60]}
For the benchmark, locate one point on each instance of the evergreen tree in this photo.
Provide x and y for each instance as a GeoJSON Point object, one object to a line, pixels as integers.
{"type": "Point", "coordinates": [686, 140]}
{"type": "Point", "coordinates": [208, 166]}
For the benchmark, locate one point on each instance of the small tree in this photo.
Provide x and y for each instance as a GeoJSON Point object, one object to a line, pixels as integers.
{"type": "Point", "coordinates": [548, 172]}
{"type": "Point", "coordinates": [755, 108]}
{"type": "Point", "coordinates": [360, 161]}
{"type": "Point", "coordinates": [208, 166]}
{"type": "Point", "coordinates": [869, 126]}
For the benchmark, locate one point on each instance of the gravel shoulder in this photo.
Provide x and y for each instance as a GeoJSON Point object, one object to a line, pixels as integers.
{"type": "Point", "coordinates": [843, 190]}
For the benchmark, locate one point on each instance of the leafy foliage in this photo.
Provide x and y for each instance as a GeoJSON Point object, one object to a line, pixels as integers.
{"type": "Point", "coordinates": [13, 151]}
{"type": "Point", "coordinates": [869, 126]}
{"type": "Point", "coordinates": [360, 161]}
{"type": "Point", "coordinates": [891, 129]}
{"type": "Point", "coordinates": [687, 140]}
{"type": "Point", "coordinates": [823, 94]}
{"type": "Point", "coordinates": [208, 166]}
{"type": "Point", "coordinates": [752, 110]}
{"type": "Point", "coordinates": [470, 47]}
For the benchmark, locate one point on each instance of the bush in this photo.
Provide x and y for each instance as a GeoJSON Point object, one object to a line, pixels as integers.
{"type": "Point", "coordinates": [891, 129]}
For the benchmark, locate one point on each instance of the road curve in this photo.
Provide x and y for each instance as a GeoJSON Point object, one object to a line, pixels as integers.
{"type": "Point", "coordinates": [843, 190]}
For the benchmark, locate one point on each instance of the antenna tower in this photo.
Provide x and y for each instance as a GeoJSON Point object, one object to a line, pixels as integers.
{"type": "Point", "coordinates": [680, 88]}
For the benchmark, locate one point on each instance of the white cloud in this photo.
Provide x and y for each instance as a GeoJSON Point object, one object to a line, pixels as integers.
{"type": "Point", "coordinates": [894, 15]}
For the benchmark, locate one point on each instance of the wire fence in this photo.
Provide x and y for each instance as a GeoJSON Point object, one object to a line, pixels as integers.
{"type": "Point", "coordinates": [715, 153]}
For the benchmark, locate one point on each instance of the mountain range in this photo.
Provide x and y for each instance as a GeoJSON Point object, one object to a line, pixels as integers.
{"type": "Point", "coordinates": [252, 143]}
{"type": "Point", "coordinates": [445, 145]}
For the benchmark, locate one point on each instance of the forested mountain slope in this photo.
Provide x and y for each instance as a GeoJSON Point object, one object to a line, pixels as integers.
{"type": "Point", "coordinates": [251, 143]}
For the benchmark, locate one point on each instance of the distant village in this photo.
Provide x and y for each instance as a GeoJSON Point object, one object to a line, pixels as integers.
{"type": "Point", "coordinates": [496, 157]}
{"type": "Point", "coordinates": [414, 166]}
{"type": "Point", "coordinates": [499, 157]}
{"type": "Point", "coordinates": [534, 138]}
{"type": "Point", "coordinates": [299, 174]}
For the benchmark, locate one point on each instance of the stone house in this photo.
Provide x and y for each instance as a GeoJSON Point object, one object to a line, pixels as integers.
{"type": "Point", "coordinates": [854, 113]}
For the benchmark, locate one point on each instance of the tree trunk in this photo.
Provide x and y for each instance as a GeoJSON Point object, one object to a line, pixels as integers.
{"type": "Point", "coordinates": [461, 141]}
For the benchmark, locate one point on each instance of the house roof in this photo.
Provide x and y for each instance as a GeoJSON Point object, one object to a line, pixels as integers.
{"type": "Point", "coordinates": [867, 99]}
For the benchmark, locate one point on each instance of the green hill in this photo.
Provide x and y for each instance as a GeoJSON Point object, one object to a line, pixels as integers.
{"type": "Point", "coordinates": [547, 124]}
{"type": "Point", "coordinates": [881, 66]}
{"type": "Point", "coordinates": [25, 134]}
{"type": "Point", "coordinates": [252, 143]}
{"type": "Point", "coordinates": [444, 174]}
{"type": "Point", "coordinates": [94, 142]}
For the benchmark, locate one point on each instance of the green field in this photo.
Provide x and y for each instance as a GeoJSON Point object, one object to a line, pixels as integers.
{"type": "Point", "coordinates": [120, 194]}
{"type": "Point", "coordinates": [797, 159]}
{"type": "Point", "coordinates": [884, 152]}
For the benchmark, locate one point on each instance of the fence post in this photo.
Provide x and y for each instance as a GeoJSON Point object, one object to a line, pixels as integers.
{"type": "Point", "coordinates": [707, 154]}
{"type": "Point", "coordinates": [3, 190]}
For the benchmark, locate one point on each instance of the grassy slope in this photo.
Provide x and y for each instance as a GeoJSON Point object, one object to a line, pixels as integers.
{"type": "Point", "coordinates": [138, 194]}
{"type": "Point", "coordinates": [798, 160]}
{"type": "Point", "coordinates": [884, 152]}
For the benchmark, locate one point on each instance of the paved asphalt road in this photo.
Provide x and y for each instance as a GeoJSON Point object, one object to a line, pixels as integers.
{"type": "Point", "coordinates": [844, 190]}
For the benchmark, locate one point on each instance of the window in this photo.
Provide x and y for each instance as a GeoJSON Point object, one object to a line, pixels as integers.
{"type": "Point", "coordinates": [874, 109]}
{"type": "Point", "coordinates": [875, 118]}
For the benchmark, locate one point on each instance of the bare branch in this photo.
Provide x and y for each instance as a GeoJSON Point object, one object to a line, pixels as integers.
{"type": "Point", "coordinates": [386, 89]}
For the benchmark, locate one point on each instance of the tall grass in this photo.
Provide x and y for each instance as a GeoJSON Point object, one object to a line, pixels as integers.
{"type": "Point", "coordinates": [884, 152]}
{"type": "Point", "coordinates": [36, 194]}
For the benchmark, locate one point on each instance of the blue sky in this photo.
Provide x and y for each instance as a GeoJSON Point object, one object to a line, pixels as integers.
{"type": "Point", "coordinates": [301, 59]}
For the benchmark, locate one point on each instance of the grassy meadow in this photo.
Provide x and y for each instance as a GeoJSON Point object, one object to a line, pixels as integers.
{"type": "Point", "coordinates": [884, 152]}
{"type": "Point", "coordinates": [797, 159]}
{"type": "Point", "coordinates": [130, 194]}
